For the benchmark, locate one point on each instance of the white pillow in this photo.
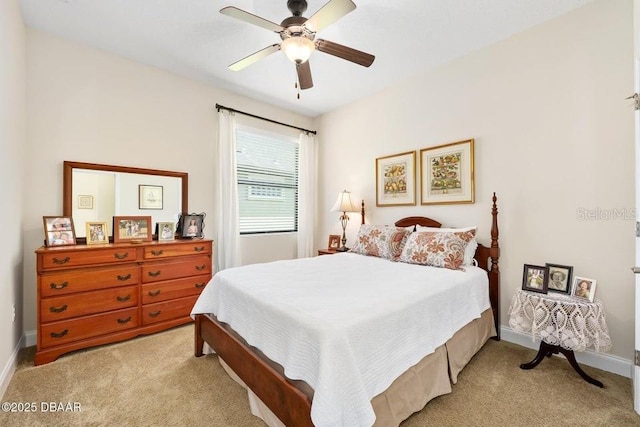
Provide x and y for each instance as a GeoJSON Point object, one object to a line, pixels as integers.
{"type": "Point", "coordinates": [469, 251]}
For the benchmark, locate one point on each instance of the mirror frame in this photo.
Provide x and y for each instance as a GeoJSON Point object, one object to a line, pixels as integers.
{"type": "Point", "coordinates": [67, 187]}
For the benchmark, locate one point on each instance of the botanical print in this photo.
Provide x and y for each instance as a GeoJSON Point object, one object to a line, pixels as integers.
{"type": "Point", "coordinates": [446, 173]}
{"type": "Point", "coordinates": [395, 179]}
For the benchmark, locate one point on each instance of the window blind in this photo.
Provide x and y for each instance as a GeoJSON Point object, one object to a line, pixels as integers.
{"type": "Point", "coordinates": [267, 167]}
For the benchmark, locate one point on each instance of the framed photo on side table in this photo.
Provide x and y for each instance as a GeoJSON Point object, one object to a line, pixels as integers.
{"type": "Point", "coordinates": [396, 180]}
{"type": "Point", "coordinates": [534, 278]}
{"type": "Point", "coordinates": [334, 241]}
{"type": "Point", "coordinates": [559, 278]}
{"type": "Point", "coordinates": [132, 229]}
{"type": "Point", "coordinates": [584, 288]}
{"type": "Point", "coordinates": [96, 233]}
{"type": "Point", "coordinates": [59, 230]}
{"type": "Point", "coordinates": [446, 173]}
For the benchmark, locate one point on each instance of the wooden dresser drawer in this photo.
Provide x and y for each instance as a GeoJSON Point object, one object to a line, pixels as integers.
{"type": "Point", "coordinates": [89, 256]}
{"type": "Point", "coordinates": [66, 331]}
{"type": "Point", "coordinates": [154, 313]}
{"type": "Point", "coordinates": [67, 306]}
{"type": "Point", "coordinates": [61, 283]}
{"type": "Point", "coordinates": [171, 289]}
{"type": "Point", "coordinates": [170, 269]}
{"type": "Point", "coordinates": [181, 249]}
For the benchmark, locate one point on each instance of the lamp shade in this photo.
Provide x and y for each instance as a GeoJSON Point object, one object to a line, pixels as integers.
{"type": "Point", "coordinates": [297, 48]}
{"type": "Point", "coordinates": [344, 203]}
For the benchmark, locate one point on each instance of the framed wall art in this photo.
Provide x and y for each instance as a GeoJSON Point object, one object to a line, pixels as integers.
{"type": "Point", "coordinates": [150, 196]}
{"type": "Point", "coordinates": [396, 180]}
{"type": "Point", "coordinates": [446, 173]}
{"type": "Point", "coordinates": [132, 229]}
{"type": "Point", "coordinates": [96, 233]}
{"type": "Point", "coordinates": [535, 278]}
{"type": "Point", "coordinates": [85, 202]}
{"type": "Point", "coordinates": [559, 278]}
{"type": "Point", "coordinates": [59, 230]}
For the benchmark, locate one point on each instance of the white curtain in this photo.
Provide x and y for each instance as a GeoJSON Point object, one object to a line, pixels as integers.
{"type": "Point", "coordinates": [227, 235]}
{"type": "Point", "coordinates": [307, 194]}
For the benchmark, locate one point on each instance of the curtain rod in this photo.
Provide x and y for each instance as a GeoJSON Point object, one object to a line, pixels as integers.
{"type": "Point", "coordinates": [222, 107]}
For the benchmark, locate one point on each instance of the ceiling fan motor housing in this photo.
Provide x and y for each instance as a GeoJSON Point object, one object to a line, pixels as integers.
{"type": "Point", "coordinates": [297, 7]}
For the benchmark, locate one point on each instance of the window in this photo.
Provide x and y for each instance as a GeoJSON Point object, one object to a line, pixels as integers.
{"type": "Point", "coordinates": [267, 166]}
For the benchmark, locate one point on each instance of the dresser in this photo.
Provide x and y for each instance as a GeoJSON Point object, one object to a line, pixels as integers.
{"type": "Point", "coordinates": [100, 294]}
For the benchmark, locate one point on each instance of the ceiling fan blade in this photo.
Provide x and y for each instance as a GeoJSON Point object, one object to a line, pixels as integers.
{"type": "Point", "coordinates": [345, 52]}
{"type": "Point", "coordinates": [304, 75]}
{"type": "Point", "coordinates": [328, 14]}
{"type": "Point", "coordinates": [254, 57]}
{"type": "Point", "coordinates": [240, 14]}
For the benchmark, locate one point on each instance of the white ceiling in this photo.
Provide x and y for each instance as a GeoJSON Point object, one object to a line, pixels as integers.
{"type": "Point", "coordinates": [191, 38]}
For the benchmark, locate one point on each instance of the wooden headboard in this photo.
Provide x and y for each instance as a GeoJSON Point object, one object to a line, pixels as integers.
{"type": "Point", "coordinates": [486, 256]}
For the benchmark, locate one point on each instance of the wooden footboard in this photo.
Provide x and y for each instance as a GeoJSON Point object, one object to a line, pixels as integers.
{"type": "Point", "coordinates": [288, 403]}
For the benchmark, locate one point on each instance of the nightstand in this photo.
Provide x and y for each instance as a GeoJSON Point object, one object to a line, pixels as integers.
{"type": "Point", "coordinates": [327, 251]}
{"type": "Point", "coordinates": [564, 324]}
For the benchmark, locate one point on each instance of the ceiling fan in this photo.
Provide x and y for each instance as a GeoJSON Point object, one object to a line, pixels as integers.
{"type": "Point", "coordinates": [298, 36]}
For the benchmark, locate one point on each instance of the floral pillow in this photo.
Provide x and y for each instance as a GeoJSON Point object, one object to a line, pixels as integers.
{"type": "Point", "coordinates": [437, 248]}
{"type": "Point", "coordinates": [380, 240]}
{"type": "Point", "coordinates": [470, 251]}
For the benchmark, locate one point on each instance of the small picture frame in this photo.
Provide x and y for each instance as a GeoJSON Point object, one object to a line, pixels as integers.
{"type": "Point", "coordinates": [132, 229]}
{"type": "Point", "coordinates": [165, 231]}
{"type": "Point", "coordinates": [334, 241]}
{"type": "Point", "coordinates": [559, 278]}
{"type": "Point", "coordinates": [191, 226]}
{"type": "Point", "coordinates": [535, 278]}
{"type": "Point", "coordinates": [584, 287]}
{"type": "Point", "coordinates": [97, 233]}
{"type": "Point", "coordinates": [85, 202]}
{"type": "Point", "coordinates": [150, 197]}
{"type": "Point", "coordinates": [59, 231]}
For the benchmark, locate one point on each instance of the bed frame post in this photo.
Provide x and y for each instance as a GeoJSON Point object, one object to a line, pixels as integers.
{"type": "Point", "coordinates": [362, 211]}
{"type": "Point", "coordinates": [494, 273]}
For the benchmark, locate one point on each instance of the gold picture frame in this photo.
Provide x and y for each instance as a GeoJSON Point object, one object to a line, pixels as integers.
{"type": "Point", "coordinates": [97, 233]}
{"type": "Point", "coordinates": [447, 173]}
{"type": "Point", "coordinates": [396, 180]}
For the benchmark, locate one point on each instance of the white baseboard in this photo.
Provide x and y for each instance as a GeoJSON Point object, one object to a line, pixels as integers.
{"type": "Point", "coordinates": [30, 338]}
{"type": "Point", "coordinates": [10, 367]}
{"type": "Point", "coordinates": [603, 361]}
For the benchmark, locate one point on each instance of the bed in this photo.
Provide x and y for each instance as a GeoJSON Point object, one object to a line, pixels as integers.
{"type": "Point", "coordinates": [355, 350]}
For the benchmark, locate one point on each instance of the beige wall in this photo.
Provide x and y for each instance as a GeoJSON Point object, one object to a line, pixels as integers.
{"type": "Point", "coordinates": [553, 135]}
{"type": "Point", "coordinates": [92, 106]}
{"type": "Point", "coordinates": [12, 141]}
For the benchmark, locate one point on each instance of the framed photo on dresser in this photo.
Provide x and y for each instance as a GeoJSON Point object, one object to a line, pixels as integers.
{"type": "Point", "coordinates": [132, 229]}
{"type": "Point", "coordinates": [97, 233]}
{"type": "Point", "coordinates": [59, 231]}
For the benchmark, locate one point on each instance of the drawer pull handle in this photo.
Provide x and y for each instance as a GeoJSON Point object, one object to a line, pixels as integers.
{"type": "Point", "coordinates": [155, 313]}
{"type": "Point", "coordinates": [121, 256]}
{"type": "Point", "coordinates": [58, 310]}
{"type": "Point", "coordinates": [154, 293]}
{"type": "Point", "coordinates": [123, 299]}
{"type": "Point", "coordinates": [200, 267]}
{"type": "Point", "coordinates": [154, 273]}
{"type": "Point", "coordinates": [200, 285]}
{"type": "Point", "coordinates": [60, 286]}
{"type": "Point", "coordinates": [61, 261]}
{"type": "Point", "coordinates": [123, 278]}
{"type": "Point", "coordinates": [198, 248]}
{"type": "Point", "coordinates": [123, 321]}
{"type": "Point", "coordinates": [157, 253]}
{"type": "Point", "coordinates": [60, 335]}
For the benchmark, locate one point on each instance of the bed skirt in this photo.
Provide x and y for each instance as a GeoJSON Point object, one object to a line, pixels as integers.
{"type": "Point", "coordinates": [410, 392]}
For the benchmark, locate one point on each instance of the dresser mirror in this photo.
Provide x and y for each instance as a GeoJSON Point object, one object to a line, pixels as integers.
{"type": "Point", "coordinates": [93, 192]}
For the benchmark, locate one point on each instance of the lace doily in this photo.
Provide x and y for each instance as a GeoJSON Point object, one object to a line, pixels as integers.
{"type": "Point", "coordinates": [559, 319]}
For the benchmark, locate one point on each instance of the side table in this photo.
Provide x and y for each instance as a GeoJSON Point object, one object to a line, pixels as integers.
{"type": "Point", "coordinates": [327, 252]}
{"type": "Point", "coordinates": [564, 324]}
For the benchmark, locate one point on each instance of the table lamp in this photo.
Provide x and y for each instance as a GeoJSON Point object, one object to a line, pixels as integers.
{"type": "Point", "coordinates": [344, 205]}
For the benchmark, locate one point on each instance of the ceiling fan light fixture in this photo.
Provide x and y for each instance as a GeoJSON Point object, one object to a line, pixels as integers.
{"type": "Point", "coordinates": [297, 48]}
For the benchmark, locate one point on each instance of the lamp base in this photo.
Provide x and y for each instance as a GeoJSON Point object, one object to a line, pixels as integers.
{"type": "Point", "coordinates": [342, 249]}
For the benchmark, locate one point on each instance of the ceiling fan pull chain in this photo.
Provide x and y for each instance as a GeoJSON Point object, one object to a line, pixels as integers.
{"type": "Point", "coordinates": [297, 86]}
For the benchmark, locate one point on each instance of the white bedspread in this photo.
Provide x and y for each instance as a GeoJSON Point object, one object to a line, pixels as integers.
{"type": "Point", "coordinates": [346, 324]}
